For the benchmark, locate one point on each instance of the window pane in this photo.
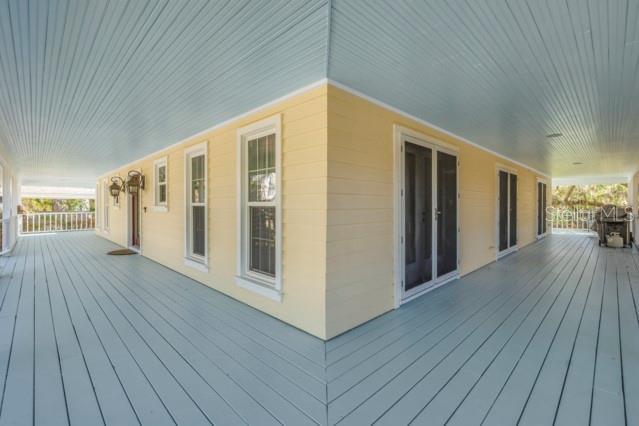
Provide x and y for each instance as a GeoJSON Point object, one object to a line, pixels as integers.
{"type": "Point", "coordinates": [162, 174]}
{"type": "Point", "coordinates": [162, 194]}
{"type": "Point", "coordinates": [261, 170]}
{"type": "Point", "coordinates": [198, 188]}
{"type": "Point", "coordinates": [262, 185]}
{"type": "Point", "coordinates": [261, 153]}
{"type": "Point", "coordinates": [262, 240]}
{"type": "Point", "coordinates": [198, 213]}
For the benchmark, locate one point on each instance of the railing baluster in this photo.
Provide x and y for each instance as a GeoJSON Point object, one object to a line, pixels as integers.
{"type": "Point", "coordinates": [35, 223]}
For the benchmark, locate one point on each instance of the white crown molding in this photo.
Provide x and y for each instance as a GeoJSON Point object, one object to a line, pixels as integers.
{"type": "Point", "coordinates": [313, 86]}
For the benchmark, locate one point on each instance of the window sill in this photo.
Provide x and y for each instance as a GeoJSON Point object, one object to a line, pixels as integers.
{"type": "Point", "coordinates": [259, 288]}
{"type": "Point", "coordinates": [196, 265]}
{"type": "Point", "coordinates": [160, 209]}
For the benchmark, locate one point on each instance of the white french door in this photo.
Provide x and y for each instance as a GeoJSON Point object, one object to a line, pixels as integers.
{"type": "Point", "coordinates": [428, 216]}
{"type": "Point", "coordinates": [506, 211]}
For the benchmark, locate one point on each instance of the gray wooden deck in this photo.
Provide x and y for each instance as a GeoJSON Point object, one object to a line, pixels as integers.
{"type": "Point", "coordinates": [547, 335]}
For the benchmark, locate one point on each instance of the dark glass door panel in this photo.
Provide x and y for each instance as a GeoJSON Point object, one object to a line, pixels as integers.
{"type": "Point", "coordinates": [513, 210]}
{"type": "Point", "coordinates": [135, 220]}
{"type": "Point", "coordinates": [446, 213]}
{"type": "Point", "coordinates": [503, 210]}
{"type": "Point", "coordinates": [544, 206]}
{"type": "Point", "coordinates": [418, 216]}
{"type": "Point", "coordinates": [540, 208]}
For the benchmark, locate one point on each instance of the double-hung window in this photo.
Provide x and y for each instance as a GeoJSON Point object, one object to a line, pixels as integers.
{"type": "Point", "coordinates": [259, 192]}
{"type": "Point", "coordinates": [196, 207]}
{"type": "Point", "coordinates": [160, 180]}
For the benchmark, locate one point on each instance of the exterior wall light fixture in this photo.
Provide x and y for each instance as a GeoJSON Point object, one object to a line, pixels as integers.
{"type": "Point", "coordinates": [134, 182]}
{"type": "Point", "coordinates": [116, 187]}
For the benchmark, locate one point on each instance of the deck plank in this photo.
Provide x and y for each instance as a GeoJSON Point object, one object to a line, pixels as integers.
{"type": "Point", "coordinates": [82, 403]}
{"type": "Point", "coordinates": [468, 394]}
{"type": "Point", "coordinates": [629, 336]}
{"type": "Point", "coordinates": [423, 319]}
{"type": "Point", "coordinates": [474, 355]}
{"type": "Point", "coordinates": [382, 390]}
{"type": "Point", "coordinates": [206, 355]}
{"type": "Point", "coordinates": [608, 406]}
{"type": "Point", "coordinates": [17, 404]}
{"type": "Point", "coordinates": [256, 374]}
{"type": "Point", "coordinates": [49, 398]}
{"type": "Point", "coordinates": [347, 343]}
{"type": "Point", "coordinates": [144, 399]}
{"type": "Point", "coordinates": [10, 340]}
{"type": "Point", "coordinates": [183, 391]}
{"type": "Point", "coordinates": [536, 339]}
{"type": "Point", "coordinates": [114, 403]}
{"type": "Point", "coordinates": [549, 334]}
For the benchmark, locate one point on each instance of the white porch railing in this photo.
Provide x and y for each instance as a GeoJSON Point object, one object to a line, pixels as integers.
{"type": "Point", "coordinates": [572, 220]}
{"type": "Point", "coordinates": [35, 223]}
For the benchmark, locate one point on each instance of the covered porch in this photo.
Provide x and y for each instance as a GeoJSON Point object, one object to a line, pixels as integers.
{"type": "Point", "coordinates": [547, 334]}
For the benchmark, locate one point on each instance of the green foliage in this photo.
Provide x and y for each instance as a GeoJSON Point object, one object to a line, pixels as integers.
{"type": "Point", "coordinates": [41, 205]}
{"type": "Point", "coordinates": [589, 196]}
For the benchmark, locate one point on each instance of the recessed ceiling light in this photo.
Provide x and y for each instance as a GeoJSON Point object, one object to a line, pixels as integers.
{"type": "Point", "coordinates": [554, 135]}
{"type": "Point", "coordinates": [577, 163]}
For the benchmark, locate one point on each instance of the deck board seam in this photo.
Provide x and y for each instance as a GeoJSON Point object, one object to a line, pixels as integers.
{"type": "Point", "coordinates": [195, 346]}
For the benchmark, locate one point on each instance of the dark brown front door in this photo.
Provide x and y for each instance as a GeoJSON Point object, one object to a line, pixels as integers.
{"type": "Point", "coordinates": [135, 220]}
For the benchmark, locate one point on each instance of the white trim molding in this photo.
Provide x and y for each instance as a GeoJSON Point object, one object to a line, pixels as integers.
{"type": "Point", "coordinates": [270, 287]}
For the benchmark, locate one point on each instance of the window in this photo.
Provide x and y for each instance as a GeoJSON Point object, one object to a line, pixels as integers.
{"type": "Point", "coordinates": [105, 206]}
{"type": "Point", "coordinates": [259, 188]}
{"type": "Point", "coordinates": [161, 184]}
{"type": "Point", "coordinates": [196, 209]}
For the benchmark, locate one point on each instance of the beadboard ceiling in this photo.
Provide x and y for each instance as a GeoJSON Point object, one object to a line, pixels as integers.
{"type": "Point", "coordinates": [86, 86]}
{"type": "Point", "coordinates": [504, 74]}
{"type": "Point", "coordinates": [89, 85]}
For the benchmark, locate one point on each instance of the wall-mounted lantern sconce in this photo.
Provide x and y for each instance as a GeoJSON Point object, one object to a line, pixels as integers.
{"type": "Point", "coordinates": [135, 182]}
{"type": "Point", "coordinates": [116, 187]}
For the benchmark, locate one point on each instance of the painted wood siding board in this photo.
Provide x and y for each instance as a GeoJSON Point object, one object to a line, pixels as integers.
{"type": "Point", "coordinates": [303, 206]}
{"type": "Point", "coordinates": [360, 187]}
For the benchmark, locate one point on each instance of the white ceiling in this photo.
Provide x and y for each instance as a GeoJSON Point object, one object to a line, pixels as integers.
{"type": "Point", "coordinates": [86, 86]}
{"type": "Point", "coordinates": [504, 74]}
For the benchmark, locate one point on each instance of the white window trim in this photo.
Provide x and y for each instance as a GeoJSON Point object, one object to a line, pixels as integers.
{"type": "Point", "coordinates": [157, 206]}
{"type": "Point", "coordinates": [194, 261]}
{"type": "Point", "coordinates": [263, 285]}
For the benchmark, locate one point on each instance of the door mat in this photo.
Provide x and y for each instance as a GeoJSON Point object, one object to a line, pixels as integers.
{"type": "Point", "coordinates": [121, 252]}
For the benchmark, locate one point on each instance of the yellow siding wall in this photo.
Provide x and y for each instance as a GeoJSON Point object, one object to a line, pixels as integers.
{"type": "Point", "coordinates": [304, 165]}
{"type": "Point", "coordinates": [360, 261]}
{"type": "Point", "coordinates": [337, 205]}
